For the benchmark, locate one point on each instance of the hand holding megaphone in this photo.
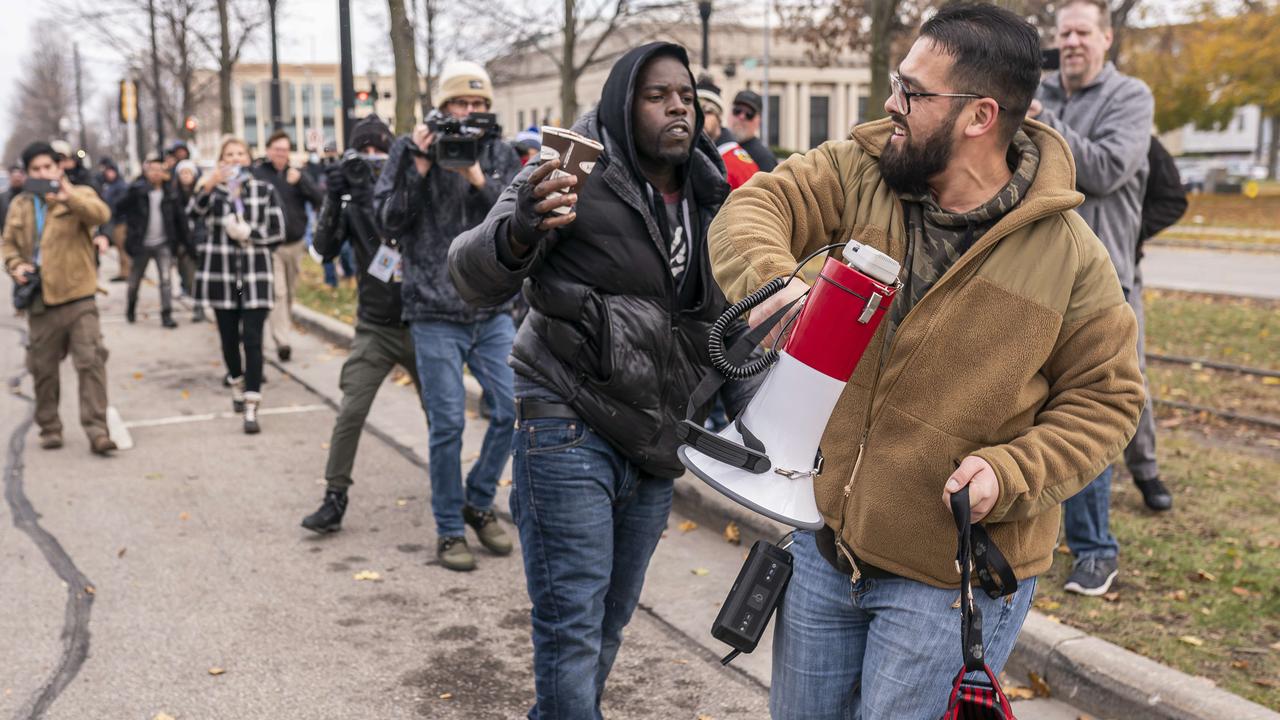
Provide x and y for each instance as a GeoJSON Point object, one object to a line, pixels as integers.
{"type": "Point", "coordinates": [765, 310]}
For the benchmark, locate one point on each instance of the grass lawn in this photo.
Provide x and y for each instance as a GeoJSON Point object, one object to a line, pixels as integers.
{"type": "Point", "coordinates": [1235, 330]}
{"type": "Point", "coordinates": [337, 302]}
{"type": "Point", "coordinates": [1233, 211]}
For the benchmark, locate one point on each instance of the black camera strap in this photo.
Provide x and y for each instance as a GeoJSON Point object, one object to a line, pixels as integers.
{"type": "Point", "coordinates": [975, 550]}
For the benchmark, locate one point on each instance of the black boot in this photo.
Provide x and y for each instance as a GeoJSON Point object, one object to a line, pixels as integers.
{"type": "Point", "coordinates": [166, 319]}
{"type": "Point", "coordinates": [329, 517]}
{"type": "Point", "coordinates": [1154, 494]}
{"type": "Point", "coordinates": [131, 312]}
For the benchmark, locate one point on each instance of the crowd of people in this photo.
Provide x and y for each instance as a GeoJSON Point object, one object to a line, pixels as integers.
{"type": "Point", "coordinates": [1005, 191]}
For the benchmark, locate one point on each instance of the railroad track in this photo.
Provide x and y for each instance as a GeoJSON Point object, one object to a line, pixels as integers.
{"type": "Point", "coordinates": [1229, 415]}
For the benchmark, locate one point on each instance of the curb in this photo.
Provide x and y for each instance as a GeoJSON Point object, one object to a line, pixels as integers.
{"type": "Point", "coordinates": [1091, 674]}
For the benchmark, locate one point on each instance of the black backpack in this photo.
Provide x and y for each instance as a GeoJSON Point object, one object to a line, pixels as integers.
{"type": "Point", "coordinates": [1165, 201]}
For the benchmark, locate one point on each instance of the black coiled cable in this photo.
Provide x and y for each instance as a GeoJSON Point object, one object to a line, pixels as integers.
{"type": "Point", "coordinates": [715, 344]}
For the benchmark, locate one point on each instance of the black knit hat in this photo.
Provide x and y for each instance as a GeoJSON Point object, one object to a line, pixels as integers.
{"type": "Point", "coordinates": [371, 131]}
{"type": "Point", "coordinates": [35, 150]}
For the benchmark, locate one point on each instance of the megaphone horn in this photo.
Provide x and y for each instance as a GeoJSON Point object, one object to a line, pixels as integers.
{"type": "Point", "coordinates": [768, 457]}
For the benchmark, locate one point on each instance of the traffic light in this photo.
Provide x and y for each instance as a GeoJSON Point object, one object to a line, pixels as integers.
{"type": "Point", "coordinates": [362, 96]}
{"type": "Point", "coordinates": [190, 123]}
{"type": "Point", "coordinates": [128, 101]}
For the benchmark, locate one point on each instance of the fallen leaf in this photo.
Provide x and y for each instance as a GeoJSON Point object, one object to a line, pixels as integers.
{"type": "Point", "coordinates": [1019, 693]}
{"type": "Point", "coordinates": [137, 376]}
{"type": "Point", "coordinates": [184, 516]}
{"type": "Point", "coordinates": [1240, 664]}
{"type": "Point", "coordinates": [154, 476]}
{"type": "Point", "coordinates": [679, 661]}
{"type": "Point", "coordinates": [1204, 576]}
{"type": "Point", "coordinates": [324, 445]}
{"type": "Point", "coordinates": [1112, 597]}
{"type": "Point", "coordinates": [1047, 604]}
{"type": "Point", "coordinates": [1271, 380]}
{"type": "Point", "coordinates": [731, 533]}
{"type": "Point", "coordinates": [504, 482]}
{"type": "Point", "coordinates": [1063, 549]}
{"type": "Point", "coordinates": [1192, 640]}
{"type": "Point", "coordinates": [1053, 619]}
{"type": "Point", "coordinates": [1179, 595]}
{"type": "Point", "coordinates": [446, 696]}
{"type": "Point", "coordinates": [1205, 611]}
{"type": "Point", "coordinates": [121, 552]}
{"type": "Point", "coordinates": [687, 525]}
{"type": "Point", "coordinates": [704, 716]}
{"type": "Point", "coordinates": [401, 502]}
{"type": "Point", "coordinates": [1038, 685]}
{"type": "Point", "coordinates": [1242, 592]}
{"type": "Point", "coordinates": [186, 394]}
{"type": "Point", "coordinates": [700, 571]}
{"type": "Point", "coordinates": [1275, 646]}
{"type": "Point", "coordinates": [163, 716]}
{"type": "Point", "coordinates": [366, 575]}
{"type": "Point", "coordinates": [216, 671]}
{"type": "Point", "coordinates": [403, 380]}
{"type": "Point", "coordinates": [1266, 683]}
{"type": "Point", "coordinates": [90, 589]}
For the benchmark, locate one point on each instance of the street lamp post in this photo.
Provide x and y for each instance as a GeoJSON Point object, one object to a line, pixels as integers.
{"type": "Point", "coordinates": [347, 79]}
{"type": "Point", "coordinates": [155, 79]}
{"type": "Point", "coordinates": [704, 11]}
{"type": "Point", "coordinates": [276, 121]}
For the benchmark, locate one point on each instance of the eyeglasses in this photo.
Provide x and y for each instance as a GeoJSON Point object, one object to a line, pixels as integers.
{"type": "Point", "coordinates": [744, 112]}
{"type": "Point", "coordinates": [902, 96]}
{"type": "Point", "coordinates": [471, 104]}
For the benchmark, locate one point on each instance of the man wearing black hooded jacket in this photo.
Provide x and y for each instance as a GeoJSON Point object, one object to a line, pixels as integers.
{"type": "Point", "coordinates": [621, 299]}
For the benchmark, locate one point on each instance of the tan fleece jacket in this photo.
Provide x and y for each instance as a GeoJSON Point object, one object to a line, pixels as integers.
{"type": "Point", "coordinates": [68, 265]}
{"type": "Point", "coordinates": [1024, 353]}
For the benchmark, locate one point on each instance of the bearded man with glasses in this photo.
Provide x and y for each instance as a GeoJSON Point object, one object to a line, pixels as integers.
{"type": "Point", "coordinates": [745, 124]}
{"type": "Point", "coordinates": [1007, 367]}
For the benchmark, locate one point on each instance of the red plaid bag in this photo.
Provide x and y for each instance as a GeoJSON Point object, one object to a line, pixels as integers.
{"type": "Point", "coordinates": [977, 699]}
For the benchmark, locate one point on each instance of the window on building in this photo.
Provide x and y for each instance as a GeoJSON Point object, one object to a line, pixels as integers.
{"type": "Point", "coordinates": [775, 120]}
{"type": "Point", "coordinates": [819, 120]}
{"type": "Point", "coordinates": [308, 109]}
{"type": "Point", "coordinates": [864, 102]}
{"type": "Point", "coordinates": [328, 111]}
{"type": "Point", "coordinates": [249, 98]}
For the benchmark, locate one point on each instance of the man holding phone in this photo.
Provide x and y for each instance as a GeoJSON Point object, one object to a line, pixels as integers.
{"type": "Point", "coordinates": [48, 239]}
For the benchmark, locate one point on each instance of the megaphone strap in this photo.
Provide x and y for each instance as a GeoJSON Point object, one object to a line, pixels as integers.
{"type": "Point", "coordinates": [974, 549]}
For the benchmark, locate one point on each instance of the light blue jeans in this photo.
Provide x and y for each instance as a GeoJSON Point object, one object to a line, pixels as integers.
{"type": "Point", "coordinates": [880, 649]}
{"type": "Point", "coordinates": [441, 349]}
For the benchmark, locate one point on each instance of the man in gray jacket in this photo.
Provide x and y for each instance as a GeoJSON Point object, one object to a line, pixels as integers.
{"type": "Point", "coordinates": [1106, 117]}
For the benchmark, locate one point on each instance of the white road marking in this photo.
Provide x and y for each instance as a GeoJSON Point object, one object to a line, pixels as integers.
{"type": "Point", "coordinates": [205, 417]}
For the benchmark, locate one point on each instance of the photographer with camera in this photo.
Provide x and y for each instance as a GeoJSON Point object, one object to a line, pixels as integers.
{"type": "Point", "coordinates": [382, 338]}
{"type": "Point", "coordinates": [440, 182]}
{"type": "Point", "coordinates": [49, 250]}
{"type": "Point", "coordinates": [294, 190]}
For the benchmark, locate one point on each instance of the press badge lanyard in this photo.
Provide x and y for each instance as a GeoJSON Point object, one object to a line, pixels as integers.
{"type": "Point", "coordinates": [386, 263]}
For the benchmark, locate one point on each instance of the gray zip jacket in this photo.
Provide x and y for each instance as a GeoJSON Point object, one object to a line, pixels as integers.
{"type": "Point", "coordinates": [1108, 125]}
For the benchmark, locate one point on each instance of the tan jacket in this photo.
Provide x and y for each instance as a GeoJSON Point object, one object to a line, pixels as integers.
{"type": "Point", "coordinates": [68, 266]}
{"type": "Point", "coordinates": [1024, 353]}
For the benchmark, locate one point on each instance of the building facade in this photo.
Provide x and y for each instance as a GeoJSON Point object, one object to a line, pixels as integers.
{"type": "Point", "coordinates": [1239, 149]}
{"type": "Point", "coordinates": [807, 104]}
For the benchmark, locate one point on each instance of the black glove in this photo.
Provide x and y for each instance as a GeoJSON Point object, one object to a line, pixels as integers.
{"type": "Point", "coordinates": [336, 180]}
{"type": "Point", "coordinates": [524, 219]}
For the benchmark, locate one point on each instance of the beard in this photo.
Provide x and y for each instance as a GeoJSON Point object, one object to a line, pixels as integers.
{"type": "Point", "coordinates": [907, 166]}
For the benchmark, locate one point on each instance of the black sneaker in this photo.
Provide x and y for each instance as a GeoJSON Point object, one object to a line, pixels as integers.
{"type": "Point", "coordinates": [1155, 494]}
{"type": "Point", "coordinates": [167, 320]}
{"type": "Point", "coordinates": [1092, 576]}
{"type": "Point", "coordinates": [329, 517]}
{"type": "Point", "coordinates": [284, 352]}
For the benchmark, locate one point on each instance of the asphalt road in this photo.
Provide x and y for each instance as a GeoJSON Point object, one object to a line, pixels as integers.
{"type": "Point", "coordinates": [127, 583]}
{"type": "Point", "coordinates": [1212, 271]}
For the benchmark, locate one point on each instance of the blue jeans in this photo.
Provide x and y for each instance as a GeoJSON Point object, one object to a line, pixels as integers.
{"type": "Point", "coordinates": [441, 349]}
{"type": "Point", "coordinates": [877, 649]}
{"type": "Point", "coordinates": [1086, 517]}
{"type": "Point", "coordinates": [347, 259]}
{"type": "Point", "coordinates": [589, 522]}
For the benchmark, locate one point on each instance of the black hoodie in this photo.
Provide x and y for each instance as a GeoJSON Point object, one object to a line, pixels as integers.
{"type": "Point", "coordinates": [608, 331]}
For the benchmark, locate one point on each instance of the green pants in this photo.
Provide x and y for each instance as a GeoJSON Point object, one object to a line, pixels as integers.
{"type": "Point", "coordinates": [56, 332]}
{"type": "Point", "coordinates": [375, 350]}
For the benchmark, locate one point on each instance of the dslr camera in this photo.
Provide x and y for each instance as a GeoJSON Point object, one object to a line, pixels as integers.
{"type": "Point", "coordinates": [457, 143]}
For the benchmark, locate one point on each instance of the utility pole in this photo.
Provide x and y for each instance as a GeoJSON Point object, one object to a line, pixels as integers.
{"type": "Point", "coordinates": [276, 120]}
{"type": "Point", "coordinates": [347, 70]}
{"type": "Point", "coordinates": [764, 96]}
{"type": "Point", "coordinates": [704, 10]}
{"type": "Point", "coordinates": [84, 141]}
{"type": "Point", "coordinates": [155, 79]}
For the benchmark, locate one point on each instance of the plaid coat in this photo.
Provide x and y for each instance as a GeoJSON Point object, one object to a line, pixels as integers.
{"type": "Point", "coordinates": [228, 276]}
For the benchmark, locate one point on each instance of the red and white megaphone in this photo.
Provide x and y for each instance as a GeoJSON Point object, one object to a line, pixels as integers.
{"type": "Point", "coordinates": [767, 458]}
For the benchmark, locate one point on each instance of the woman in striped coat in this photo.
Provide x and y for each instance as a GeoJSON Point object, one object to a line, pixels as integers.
{"type": "Point", "coordinates": [234, 275]}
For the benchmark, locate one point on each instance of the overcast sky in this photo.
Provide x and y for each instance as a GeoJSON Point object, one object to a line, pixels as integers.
{"type": "Point", "coordinates": [308, 32]}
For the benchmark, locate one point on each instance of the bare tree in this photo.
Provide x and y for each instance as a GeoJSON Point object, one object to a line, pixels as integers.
{"type": "Point", "coordinates": [430, 14]}
{"type": "Point", "coordinates": [402, 47]}
{"type": "Point", "coordinates": [42, 97]}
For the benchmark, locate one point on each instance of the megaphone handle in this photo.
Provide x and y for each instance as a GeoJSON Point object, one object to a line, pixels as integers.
{"type": "Point", "coordinates": [715, 343]}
